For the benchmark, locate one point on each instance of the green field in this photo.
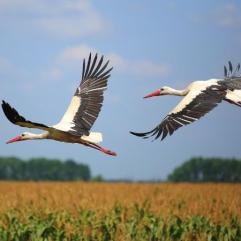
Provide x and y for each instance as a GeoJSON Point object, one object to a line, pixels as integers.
{"type": "Point", "coordinates": [101, 211]}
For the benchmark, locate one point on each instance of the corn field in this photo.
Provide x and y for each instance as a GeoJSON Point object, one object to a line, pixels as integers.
{"type": "Point", "coordinates": [76, 211]}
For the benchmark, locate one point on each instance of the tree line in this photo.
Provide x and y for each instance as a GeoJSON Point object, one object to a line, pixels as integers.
{"type": "Point", "coordinates": [196, 169]}
{"type": "Point", "coordinates": [200, 169]}
{"type": "Point", "coordinates": [38, 169]}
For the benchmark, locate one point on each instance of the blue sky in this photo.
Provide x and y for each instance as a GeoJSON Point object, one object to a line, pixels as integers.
{"type": "Point", "coordinates": [150, 44]}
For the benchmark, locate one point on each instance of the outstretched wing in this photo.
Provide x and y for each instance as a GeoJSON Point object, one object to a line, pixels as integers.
{"type": "Point", "coordinates": [13, 116]}
{"type": "Point", "coordinates": [191, 108]}
{"type": "Point", "coordinates": [87, 101]}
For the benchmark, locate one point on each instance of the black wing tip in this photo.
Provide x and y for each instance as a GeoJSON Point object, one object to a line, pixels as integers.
{"type": "Point", "coordinates": [4, 103]}
{"type": "Point", "coordinates": [230, 72]}
{"type": "Point", "coordinates": [95, 54]}
{"type": "Point", "coordinates": [146, 135]}
{"type": "Point", "coordinates": [225, 71]}
{"type": "Point", "coordinates": [6, 107]}
{"type": "Point", "coordinates": [110, 69]}
{"type": "Point", "coordinates": [94, 69]}
{"type": "Point", "coordinates": [159, 132]}
{"type": "Point", "coordinates": [138, 134]}
{"type": "Point", "coordinates": [89, 58]}
{"type": "Point", "coordinates": [11, 114]}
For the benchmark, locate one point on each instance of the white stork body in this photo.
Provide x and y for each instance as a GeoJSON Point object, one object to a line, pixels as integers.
{"type": "Point", "coordinates": [234, 97]}
{"type": "Point", "coordinates": [81, 114]}
{"type": "Point", "coordinates": [200, 97]}
{"type": "Point", "coordinates": [190, 93]}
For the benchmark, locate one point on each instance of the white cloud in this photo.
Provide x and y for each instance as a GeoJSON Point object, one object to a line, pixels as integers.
{"type": "Point", "coordinates": [228, 15]}
{"type": "Point", "coordinates": [55, 73]}
{"type": "Point", "coordinates": [141, 68]}
{"type": "Point", "coordinates": [74, 54]}
{"type": "Point", "coordinates": [146, 68]}
{"type": "Point", "coordinates": [69, 18]}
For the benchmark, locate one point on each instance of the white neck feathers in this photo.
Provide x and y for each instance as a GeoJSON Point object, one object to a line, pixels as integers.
{"type": "Point", "coordinates": [172, 91]}
{"type": "Point", "coordinates": [32, 136]}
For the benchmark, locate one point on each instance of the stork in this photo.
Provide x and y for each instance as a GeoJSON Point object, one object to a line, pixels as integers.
{"type": "Point", "coordinates": [200, 97]}
{"type": "Point", "coordinates": [84, 108]}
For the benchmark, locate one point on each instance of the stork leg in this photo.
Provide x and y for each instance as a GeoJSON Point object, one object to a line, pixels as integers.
{"type": "Point", "coordinates": [99, 148]}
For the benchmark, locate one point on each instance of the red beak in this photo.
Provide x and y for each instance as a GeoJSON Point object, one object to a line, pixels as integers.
{"type": "Point", "coordinates": [17, 138]}
{"type": "Point", "coordinates": [155, 93]}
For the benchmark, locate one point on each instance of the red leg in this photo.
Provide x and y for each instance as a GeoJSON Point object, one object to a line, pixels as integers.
{"type": "Point", "coordinates": [99, 148]}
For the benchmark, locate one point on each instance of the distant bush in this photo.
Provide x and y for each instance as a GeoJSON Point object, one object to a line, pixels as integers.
{"type": "Point", "coordinates": [97, 178]}
{"type": "Point", "coordinates": [12, 168]}
{"type": "Point", "coordinates": [207, 170]}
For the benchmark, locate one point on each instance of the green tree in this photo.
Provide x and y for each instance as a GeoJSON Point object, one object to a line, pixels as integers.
{"type": "Point", "coordinates": [200, 169]}
{"type": "Point", "coordinates": [12, 168]}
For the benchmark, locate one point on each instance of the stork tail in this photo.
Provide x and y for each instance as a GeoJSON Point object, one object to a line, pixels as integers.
{"type": "Point", "coordinates": [94, 137]}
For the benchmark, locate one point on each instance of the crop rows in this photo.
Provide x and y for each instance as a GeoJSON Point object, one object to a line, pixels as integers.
{"type": "Point", "coordinates": [107, 211]}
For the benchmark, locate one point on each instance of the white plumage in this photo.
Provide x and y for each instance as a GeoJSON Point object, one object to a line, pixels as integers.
{"type": "Point", "coordinates": [84, 108]}
{"type": "Point", "coordinates": [200, 97]}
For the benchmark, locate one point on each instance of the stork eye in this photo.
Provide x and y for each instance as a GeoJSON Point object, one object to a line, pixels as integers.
{"type": "Point", "coordinates": [161, 89]}
{"type": "Point", "coordinates": [23, 135]}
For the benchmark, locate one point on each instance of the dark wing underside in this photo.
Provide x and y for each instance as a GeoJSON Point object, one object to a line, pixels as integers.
{"type": "Point", "coordinates": [82, 113]}
{"type": "Point", "coordinates": [198, 107]}
{"type": "Point", "coordinates": [13, 116]}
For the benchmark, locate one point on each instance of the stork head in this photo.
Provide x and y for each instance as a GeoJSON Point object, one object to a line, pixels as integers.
{"type": "Point", "coordinates": [165, 90]}
{"type": "Point", "coordinates": [23, 137]}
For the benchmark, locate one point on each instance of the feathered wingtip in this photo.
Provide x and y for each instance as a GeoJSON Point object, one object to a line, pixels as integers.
{"type": "Point", "coordinates": [11, 114]}
{"type": "Point", "coordinates": [138, 134]}
{"type": "Point", "coordinates": [229, 73]}
{"type": "Point", "coordinates": [95, 68]}
{"type": "Point", "coordinates": [143, 135]}
{"type": "Point", "coordinates": [146, 135]}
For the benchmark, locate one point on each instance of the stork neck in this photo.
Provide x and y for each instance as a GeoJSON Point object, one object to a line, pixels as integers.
{"type": "Point", "coordinates": [41, 136]}
{"type": "Point", "coordinates": [178, 92]}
